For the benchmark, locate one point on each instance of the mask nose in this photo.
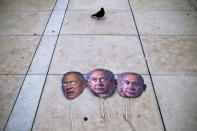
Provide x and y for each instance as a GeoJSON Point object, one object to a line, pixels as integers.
{"type": "Point", "coordinates": [101, 83]}
{"type": "Point", "coordinates": [131, 87]}
{"type": "Point", "coordinates": [68, 89]}
{"type": "Point", "coordinates": [98, 82]}
{"type": "Point", "coordinates": [68, 86]}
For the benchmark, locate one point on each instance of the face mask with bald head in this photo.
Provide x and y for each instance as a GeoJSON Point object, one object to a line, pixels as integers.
{"type": "Point", "coordinates": [101, 82]}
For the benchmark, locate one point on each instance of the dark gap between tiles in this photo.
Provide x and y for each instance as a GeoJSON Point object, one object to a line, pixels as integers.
{"type": "Point", "coordinates": [192, 5]}
{"type": "Point", "coordinates": [174, 75]}
{"type": "Point", "coordinates": [93, 10]}
{"type": "Point", "coordinates": [122, 35]}
{"type": "Point", "coordinates": [87, 74]}
{"type": "Point", "coordinates": [158, 105]}
{"type": "Point", "coordinates": [49, 63]}
{"type": "Point", "coordinates": [21, 35]}
{"type": "Point", "coordinates": [28, 70]}
{"type": "Point", "coordinates": [26, 11]}
{"type": "Point", "coordinates": [160, 10]}
{"type": "Point", "coordinates": [164, 10]}
{"type": "Point", "coordinates": [14, 104]}
{"type": "Point", "coordinates": [101, 34]}
{"type": "Point", "coordinates": [168, 35]}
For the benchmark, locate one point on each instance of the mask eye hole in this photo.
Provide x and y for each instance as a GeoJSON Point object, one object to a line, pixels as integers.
{"type": "Point", "coordinates": [65, 84]}
{"type": "Point", "coordinates": [103, 79]}
{"type": "Point", "coordinates": [99, 79]}
{"type": "Point", "coordinates": [73, 83]}
{"type": "Point", "coordinates": [94, 79]}
{"type": "Point", "coordinates": [127, 82]}
{"type": "Point", "coordinates": [134, 83]}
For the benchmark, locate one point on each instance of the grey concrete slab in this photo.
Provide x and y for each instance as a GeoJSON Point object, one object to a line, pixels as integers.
{"type": "Point", "coordinates": [158, 5]}
{"type": "Point", "coordinates": [22, 116]}
{"type": "Point", "coordinates": [46, 47]}
{"type": "Point", "coordinates": [56, 18]}
{"type": "Point", "coordinates": [115, 22]}
{"type": "Point", "coordinates": [9, 88]}
{"type": "Point", "coordinates": [86, 52]}
{"type": "Point", "coordinates": [16, 53]}
{"type": "Point", "coordinates": [23, 23]}
{"type": "Point", "coordinates": [42, 58]}
{"type": "Point", "coordinates": [61, 5]}
{"type": "Point", "coordinates": [166, 22]}
{"type": "Point", "coordinates": [171, 55]}
{"type": "Point", "coordinates": [55, 23]}
{"type": "Point", "coordinates": [177, 97]}
{"type": "Point", "coordinates": [26, 5]}
{"type": "Point", "coordinates": [97, 4]}
{"type": "Point", "coordinates": [54, 111]}
{"type": "Point", "coordinates": [194, 3]}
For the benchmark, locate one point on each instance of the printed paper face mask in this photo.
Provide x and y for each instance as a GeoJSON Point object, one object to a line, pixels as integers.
{"type": "Point", "coordinates": [101, 82]}
{"type": "Point", "coordinates": [130, 85]}
{"type": "Point", "coordinates": [73, 84]}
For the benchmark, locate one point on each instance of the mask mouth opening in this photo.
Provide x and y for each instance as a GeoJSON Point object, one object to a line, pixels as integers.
{"type": "Point", "coordinates": [100, 88]}
{"type": "Point", "coordinates": [130, 90]}
{"type": "Point", "coordinates": [69, 92]}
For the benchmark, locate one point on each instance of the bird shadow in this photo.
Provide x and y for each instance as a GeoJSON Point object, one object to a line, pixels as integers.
{"type": "Point", "coordinates": [98, 18]}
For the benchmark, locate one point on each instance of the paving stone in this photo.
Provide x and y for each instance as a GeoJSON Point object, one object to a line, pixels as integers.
{"type": "Point", "coordinates": [194, 3]}
{"type": "Point", "coordinates": [54, 25]}
{"type": "Point", "coordinates": [23, 23]}
{"type": "Point", "coordinates": [161, 5]}
{"type": "Point", "coordinates": [42, 58]}
{"type": "Point", "coordinates": [61, 5]}
{"type": "Point", "coordinates": [24, 110]}
{"type": "Point", "coordinates": [16, 53]}
{"type": "Point", "coordinates": [171, 55]}
{"type": "Point", "coordinates": [166, 22]}
{"type": "Point", "coordinates": [177, 98]}
{"type": "Point", "coordinates": [97, 4]}
{"type": "Point", "coordinates": [84, 53]}
{"type": "Point", "coordinates": [80, 22]}
{"type": "Point", "coordinates": [54, 111]}
{"type": "Point", "coordinates": [9, 88]}
{"type": "Point", "coordinates": [111, 43]}
{"type": "Point", "coordinates": [26, 5]}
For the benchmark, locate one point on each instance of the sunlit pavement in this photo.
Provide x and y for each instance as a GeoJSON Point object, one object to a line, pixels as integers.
{"type": "Point", "coordinates": [41, 40]}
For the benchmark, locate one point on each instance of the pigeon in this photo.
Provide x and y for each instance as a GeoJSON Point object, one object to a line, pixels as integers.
{"type": "Point", "coordinates": [99, 14]}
